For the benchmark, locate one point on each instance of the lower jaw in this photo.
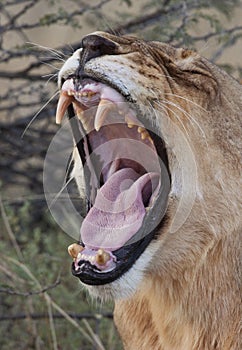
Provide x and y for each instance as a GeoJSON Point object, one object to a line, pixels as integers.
{"type": "Point", "coordinates": [126, 258]}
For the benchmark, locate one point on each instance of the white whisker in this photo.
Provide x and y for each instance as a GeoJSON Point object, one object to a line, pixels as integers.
{"type": "Point", "coordinates": [71, 48]}
{"type": "Point", "coordinates": [161, 104]}
{"type": "Point", "coordinates": [40, 110]}
{"type": "Point", "coordinates": [60, 192]}
{"type": "Point", "coordinates": [50, 65]}
{"type": "Point", "coordinates": [189, 116]}
{"type": "Point", "coordinates": [55, 52]}
{"type": "Point", "coordinates": [186, 99]}
{"type": "Point", "coordinates": [52, 58]}
{"type": "Point", "coordinates": [51, 76]}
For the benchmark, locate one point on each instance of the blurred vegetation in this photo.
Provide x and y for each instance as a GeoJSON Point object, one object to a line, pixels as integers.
{"type": "Point", "coordinates": [41, 305]}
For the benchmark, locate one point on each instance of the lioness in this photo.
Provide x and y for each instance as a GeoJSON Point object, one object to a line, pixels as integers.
{"type": "Point", "coordinates": [159, 136]}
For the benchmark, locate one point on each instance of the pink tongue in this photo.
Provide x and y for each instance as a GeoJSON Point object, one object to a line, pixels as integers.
{"type": "Point", "coordinates": [118, 211]}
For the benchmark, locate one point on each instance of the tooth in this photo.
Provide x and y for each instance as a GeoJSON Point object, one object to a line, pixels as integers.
{"type": "Point", "coordinates": [74, 250]}
{"type": "Point", "coordinates": [91, 93]}
{"type": "Point", "coordinates": [150, 139]}
{"type": "Point", "coordinates": [130, 126]}
{"type": "Point", "coordinates": [64, 102]}
{"type": "Point", "coordinates": [141, 129]}
{"type": "Point", "coordinates": [145, 135]}
{"type": "Point", "coordinates": [102, 257]}
{"type": "Point", "coordinates": [104, 108]}
{"type": "Point", "coordinates": [131, 119]}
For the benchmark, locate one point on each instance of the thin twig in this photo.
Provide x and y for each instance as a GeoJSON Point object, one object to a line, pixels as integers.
{"type": "Point", "coordinates": [29, 293]}
{"type": "Point", "coordinates": [38, 316]}
{"type": "Point", "coordinates": [48, 299]}
{"type": "Point", "coordinates": [9, 230]}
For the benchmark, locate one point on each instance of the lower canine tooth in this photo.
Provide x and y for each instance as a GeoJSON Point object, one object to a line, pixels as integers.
{"type": "Point", "coordinates": [74, 249]}
{"type": "Point", "coordinates": [102, 257]}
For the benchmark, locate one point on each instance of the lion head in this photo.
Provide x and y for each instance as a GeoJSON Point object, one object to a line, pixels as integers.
{"type": "Point", "coordinates": [158, 143]}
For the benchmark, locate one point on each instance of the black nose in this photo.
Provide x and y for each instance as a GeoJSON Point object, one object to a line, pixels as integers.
{"type": "Point", "coordinates": [95, 46]}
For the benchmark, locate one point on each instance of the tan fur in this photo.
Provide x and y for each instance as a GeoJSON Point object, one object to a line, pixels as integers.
{"type": "Point", "coordinates": [189, 297]}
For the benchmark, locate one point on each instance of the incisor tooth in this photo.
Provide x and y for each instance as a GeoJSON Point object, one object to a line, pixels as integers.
{"type": "Point", "coordinates": [91, 93]}
{"type": "Point", "coordinates": [104, 108]}
{"type": "Point", "coordinates": [102, 257]}
{"type": "Point", "coordinates": [64, 102]}
{"type": "Point", "coordinates": [75, 249]}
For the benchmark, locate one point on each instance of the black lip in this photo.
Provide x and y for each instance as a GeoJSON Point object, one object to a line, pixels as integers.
{"type": "Point", "coordinates": [126, 257]}
{"type": "Point", "coordinates": [153, 221]}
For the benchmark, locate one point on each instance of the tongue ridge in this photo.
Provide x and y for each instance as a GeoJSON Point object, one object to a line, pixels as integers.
{"type": "Point", "coordinates": [118, 210]}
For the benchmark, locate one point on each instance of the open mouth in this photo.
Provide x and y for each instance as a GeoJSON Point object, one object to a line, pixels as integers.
{"type": "Point", "coordinates": [126, 177]}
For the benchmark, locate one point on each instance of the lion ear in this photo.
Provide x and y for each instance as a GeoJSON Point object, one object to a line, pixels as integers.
{"type": "Point", "coordinates": [186, 53]}
{"type": "Point", "coordinates": [185, 66]}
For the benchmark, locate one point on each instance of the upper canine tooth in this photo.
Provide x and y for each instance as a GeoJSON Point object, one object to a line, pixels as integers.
{"type": "Point", "coordinates": [104, 107]}
{"type": "Point", "coordinates": [64, 101]}
{"type": "Point", "coordinates": [74, 249]}
{"type": "Point", "coordinates": [102, 257]}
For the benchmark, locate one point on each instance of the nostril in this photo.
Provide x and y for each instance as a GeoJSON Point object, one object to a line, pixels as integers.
{"type": "Point", "coordinates": [95, 46]}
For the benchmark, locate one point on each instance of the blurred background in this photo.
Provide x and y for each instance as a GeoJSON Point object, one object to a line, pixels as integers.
{"type": "Point", "coordinates": [41, 305]}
